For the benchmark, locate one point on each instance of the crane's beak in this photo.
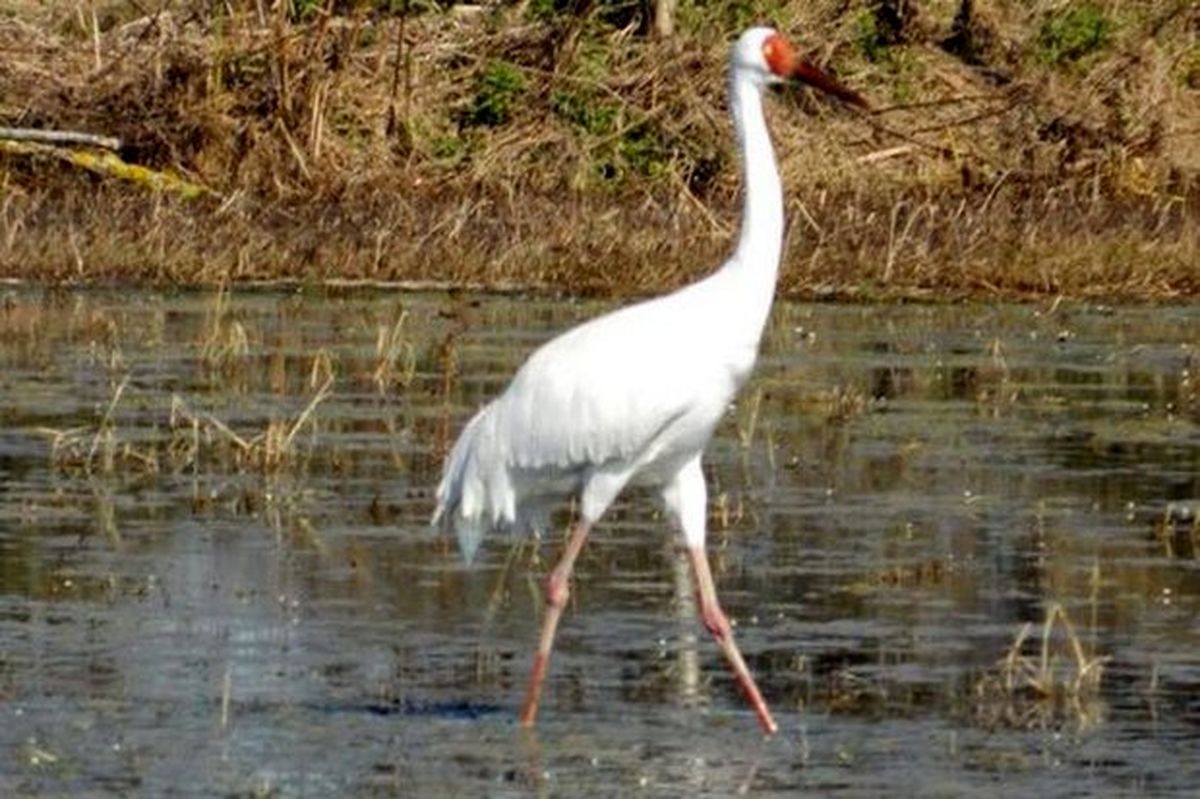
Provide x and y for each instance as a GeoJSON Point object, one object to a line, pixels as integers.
{"type": "Point", "coordinates": [786, 63]}
{"type": "Point", "coordinates": [805, 71]}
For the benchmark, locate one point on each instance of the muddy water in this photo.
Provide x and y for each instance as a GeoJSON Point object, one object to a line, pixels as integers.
{"type": "Point", "coordinates": [216, 577]}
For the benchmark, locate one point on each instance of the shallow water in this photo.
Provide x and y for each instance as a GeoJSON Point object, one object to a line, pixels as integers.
{"type": "Point", "coordinates": [216, 576]}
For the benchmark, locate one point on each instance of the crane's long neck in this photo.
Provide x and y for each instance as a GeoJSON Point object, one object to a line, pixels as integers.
{"type": "Point", "coordinates": [756, 259]}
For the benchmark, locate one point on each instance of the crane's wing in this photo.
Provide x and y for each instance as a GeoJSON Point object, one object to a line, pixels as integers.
{"type": "Point", "coordinates": [601, 392]}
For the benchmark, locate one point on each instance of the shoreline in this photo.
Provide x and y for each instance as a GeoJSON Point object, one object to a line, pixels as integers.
{"type": "Point", "coordinates": [484, 151]}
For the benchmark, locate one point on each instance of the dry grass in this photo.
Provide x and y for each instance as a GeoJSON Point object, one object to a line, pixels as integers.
{"type": "Point", "coordinates": [1043, 680]}
{"type": "Point", "coordinates": [195, 438]}
{"type": "Point", "coordinates": [137, 431]}
{"type": "Point", "coordinates": [395, 357]}
{"type": "Point", "coordinates": [372, 147]}
{"type": "Point", "coordinates": [226, 344]}
{"type": "Point", "coordinates": [89, 450]}
{"type": "Point", "coordinates": [198, 439]}
{"type": "Point", "coordinates": [272, 450]}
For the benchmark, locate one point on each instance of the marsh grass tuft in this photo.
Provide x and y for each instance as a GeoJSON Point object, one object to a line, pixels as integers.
{"type": "Point", "coordinates": [226, 345]}
{"type": "Point", "coordinates": [1043, 680]}
{"type": "Point", "coordinates": [272, 450]}
{"type": "Point", "coordinates": [843, 404]}
{"type": "Point", "coordinates": [395, 357]}
{"type": "Point", "coordinates": [196, 441]}
{"type": "Point", "coordinates": [100, 449]}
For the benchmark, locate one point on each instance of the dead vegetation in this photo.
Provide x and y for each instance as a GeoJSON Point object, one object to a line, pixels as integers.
{"type": "Point", "coordinates": [138, 432]}
{"type": "Point", "coordinates": [1049, 678]}
{"type": "Point", "coordinates": [1044, 680]}
{"type": "Point", "coordinates": [1018, 148]}
{"type": "Point", "coordinates": [194, 439]}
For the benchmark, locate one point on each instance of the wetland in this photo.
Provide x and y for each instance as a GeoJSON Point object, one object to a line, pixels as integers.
{"type": "Point", "coordinates": [960, 543]}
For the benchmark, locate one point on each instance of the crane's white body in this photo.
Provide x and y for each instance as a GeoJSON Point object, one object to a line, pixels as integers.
{"type": "Point", "coordinates": [632, 397]}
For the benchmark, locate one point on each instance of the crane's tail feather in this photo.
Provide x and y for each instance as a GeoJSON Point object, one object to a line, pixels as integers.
{"type": "Point", "coordinates": [470, 536]}
{"type": "Point", "coordinates": [460, 494]}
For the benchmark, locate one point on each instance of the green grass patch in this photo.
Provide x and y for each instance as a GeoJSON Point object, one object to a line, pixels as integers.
{"type": "Point", "coordinates": [498, 87]}
{"type": "Point", "coordinates": [868, 39]}
{"type": "Point", "coordinates": [1072, 34]}
{"type": "Point", "coordinates": [584, 113]}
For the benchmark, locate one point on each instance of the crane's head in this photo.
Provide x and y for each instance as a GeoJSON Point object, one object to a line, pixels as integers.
{"type": "Point", "coordinates": [768, 58]}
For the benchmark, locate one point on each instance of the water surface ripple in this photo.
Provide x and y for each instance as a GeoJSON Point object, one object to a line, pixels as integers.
{"type": "Point", "coordinates": [960, 543]}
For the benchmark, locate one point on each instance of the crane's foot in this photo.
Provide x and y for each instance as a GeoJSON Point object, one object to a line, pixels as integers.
{"type": "Point", "coordinates": [718, 624]}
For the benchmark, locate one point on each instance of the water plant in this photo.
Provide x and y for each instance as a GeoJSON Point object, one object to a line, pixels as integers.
{"type": "Point", "coordinates": [395, 358]}
{"type": "Point", "coordinates": [100, 449]}
{"type": "Point", "coordinates": [271, 450]}
{"type": "Point", "coordinates": [226, 346]}
{"type": "Point", "coordinates": [1043, 679]}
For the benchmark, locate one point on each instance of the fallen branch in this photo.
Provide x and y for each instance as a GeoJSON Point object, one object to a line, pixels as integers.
{"type": "Point", "coordinates": [109, 165]}
{"type": "Point", "coordinates": [883, 155]}
{"type": "Point", "coordinates": [59, 137]}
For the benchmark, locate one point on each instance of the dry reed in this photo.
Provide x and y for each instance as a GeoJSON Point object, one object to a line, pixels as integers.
{"type": "Point", "coordinates": [501, 150]}
{"type": "Point", "coordinates": [1043, 681]}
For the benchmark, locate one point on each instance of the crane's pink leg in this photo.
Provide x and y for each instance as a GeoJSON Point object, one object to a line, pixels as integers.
{"type": "Point", "coordinates": [718, 624]}
{"type": "Point", "coordinates": [558, 591]}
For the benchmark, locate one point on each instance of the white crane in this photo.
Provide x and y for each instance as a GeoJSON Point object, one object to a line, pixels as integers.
{"type": "Point", "coordinates": [632, 397]}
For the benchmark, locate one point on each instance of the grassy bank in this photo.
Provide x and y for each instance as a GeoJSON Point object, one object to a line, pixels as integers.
{"type": "Point", "coordinates": [1030, 148]}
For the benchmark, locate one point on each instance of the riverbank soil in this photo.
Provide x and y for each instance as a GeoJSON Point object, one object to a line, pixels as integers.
{"type": "Point", "coordinates": [1014, 148]}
